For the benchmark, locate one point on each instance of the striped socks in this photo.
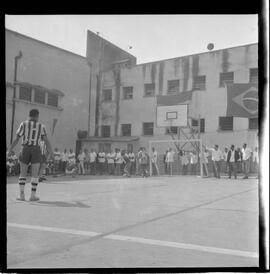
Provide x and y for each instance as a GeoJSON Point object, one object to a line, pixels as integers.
{"type": "Point", "coordinates": [34, 184]}
{"type": "Point", "coordinates": [22, 181]}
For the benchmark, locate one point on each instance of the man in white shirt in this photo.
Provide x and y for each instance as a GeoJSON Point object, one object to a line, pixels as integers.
{"type": "Point", "coordinates": [101, 162]}
{"type": "Point", "coordinates": [216, 158]}
{"type": "Point", "coordinates": [64, 158]}
{"type": "Point", "coordinates": [154, 159]}
{"type": "Point", "coordinates": [170, 159]}
{"type": "Point", "coordinates": [57, 158]}
{"type": "Point", "coordinates": [93, 157]}
{"type": "Point", "coordinates": [110, 160]}
{"type": "Point", "coordinates": [204, 158]}
{"type": "Point", "coordinates": [131, 157]}
{"type": "Point", "coordinates": [118, 162]}
{"type": "Point", "coordinates": [185, 162]}
{"type": "Point", "coordinates": [224, 158]}
{"type": "Point", "coordinates": [81, 158]}
{"type": "Point", "coordinates": [193, 162]}
{"type": "Point", "coordinates": [246, 154]}
{"type": "Point", "coordinates": [232, 159]}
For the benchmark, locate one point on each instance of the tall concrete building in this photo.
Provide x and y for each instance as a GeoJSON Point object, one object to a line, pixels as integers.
{"type": "Point", "coordinates": [126, 100]}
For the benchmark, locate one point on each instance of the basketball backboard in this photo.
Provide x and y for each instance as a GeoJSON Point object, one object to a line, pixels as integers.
{"type": "Point", "coordinates": [175, 115]}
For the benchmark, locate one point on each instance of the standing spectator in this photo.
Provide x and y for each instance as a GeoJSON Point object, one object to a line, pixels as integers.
{"type": "Point", "coordinates": [86, 161]}
{"type": "Point", "coordinates": [101, 161]}
{"type": "Point", "coordinates": [170, 160]}
{"type": "Point", "coordinates": [255, 160]}
{"type": "Point", "coordinates": [239, 161]}
{"type": "Point", "coordinates": [166, 170]}
{"type": "Point", "coordinates": [71, 156]}
{"type": "Point", "coordinates": [204, 158]}
{"type": "Point", "coordinates": [64, 158]}
{"type": "Point", "coordinates": [154, 161]}
{"type": "Point", "coordinates": [127, 164]}
{"type": "Point", "coordinates": [246, 154]}
{"type": "Point", "coordinates": [138, 165]}
{"type": "Point", "coordinates": [216, 158]}
{"type": "Point", "coordinates": [185, 162]}
{"type": "Point", "coordinates": [232, 159]}
{"type": "Point", "coordinates": [43, 160]}
{"type": "Point", "coordinates": [118, 162]}
{"type": "Point", "coordinates": [224, 158]}
{"type": "Point", "coordinates": [81, 159]}
{"type": "Point", "coordinates": [131, 156]}
{"type": "Point", "coordinates": [143, 162]}
{"type": "Point", "coordinates": [57, 157]}
{"type": "Point", "coordinates": [193, 162]}
{"type": "Point", "coordinates": [93, 157]}
{"type": "Point", "coordinates": [110, 160]}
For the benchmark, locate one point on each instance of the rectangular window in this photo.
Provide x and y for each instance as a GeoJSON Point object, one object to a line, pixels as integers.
{"type": "Point", "coordinates": [195, 123]}
{"type": "Point", "coordinates": [105, 131]}
{"type": "Point", "coordinates": [253, 123]}
{"type": "Point", "coordinates": [226, 78]}
{"type": "Point", "coordinates": [171, 130]}
{"type": "Point", "coordinates": [52, 99]}
{"type": "Point", "coordinates": [148, 128]}
{"type": "Point", "coordinates": [127, 93]}
{"type": "Point", "coordinates": [149, 90]}
{"type": "Point", "coordinates": [199, 82]}
{"type": "Point", "coordinates": [25, 93]}
{"type": "Point", "coordinates": [225, 123]}
{"type": "Point", "coordinates": [253, 75]}
{"type": "Point", "coordinates": [126, 129]}
{"type": "Point", "coordinates": [107, 95]}
{"type": "Point", "coordinates": [173, 86]}
{"type": "Point", "coordinates": [39, 96]}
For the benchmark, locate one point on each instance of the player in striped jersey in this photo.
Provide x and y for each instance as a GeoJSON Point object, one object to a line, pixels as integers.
{"type": "Point", "coordinates": [30, 131]}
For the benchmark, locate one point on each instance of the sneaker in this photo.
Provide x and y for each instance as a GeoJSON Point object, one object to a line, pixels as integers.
{"type": "Point", "coordinates": [21, 198]}
{"type": "Point", "coordinates": [34, 198]}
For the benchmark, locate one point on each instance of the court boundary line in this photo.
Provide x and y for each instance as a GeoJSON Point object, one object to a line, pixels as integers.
{"type": "Point", "coordinates": [163, 243]}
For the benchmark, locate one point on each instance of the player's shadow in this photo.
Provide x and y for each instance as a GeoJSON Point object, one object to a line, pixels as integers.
{"type": "Point", "coordinates": [63, 204]}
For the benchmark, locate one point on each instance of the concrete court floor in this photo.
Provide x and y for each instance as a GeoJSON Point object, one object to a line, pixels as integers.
{"type": "Point", "coordinates": [134, 222]}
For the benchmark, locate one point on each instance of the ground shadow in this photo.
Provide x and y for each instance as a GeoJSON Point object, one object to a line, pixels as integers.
{"type": "Point", "coordinates": [63, 204]}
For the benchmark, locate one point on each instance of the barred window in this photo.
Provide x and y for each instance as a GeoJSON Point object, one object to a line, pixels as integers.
{"type": "Point", "coordinates": [52, 99]}
{"type": "Point", "coordinates": [39, 96]}
{"type": "Point", "coordinates": [195, 123]}
{"type": "Point", "coordinates": [171, 130]}
{"type": "Point", "coordinates": [149, 90]}
{"type": "Point", "coordinates": [253, 123]}
{"type": "Point", "coordinates": [105, 131]}
{"type": "Point", "coordinates": [148, 128]}
{"type": "Point", "coordinates": [199, 82]}
{"type": "Point", "coordinates": [253, 75]}
{"type": "Point", "coordinates": [107, 94]}
{"type": "Point", "coordinates": [126, 129]}
{"type": "Point", "coordinates": [127, 93]}
{"type": "Point", "coordinates": [226, 78]}
{"type": "Point", "coordinates": [173, 86]}
{"type": "Point", "coordinates": [25, 93]}
{"type": "Point", "coordinates": [225, 123]}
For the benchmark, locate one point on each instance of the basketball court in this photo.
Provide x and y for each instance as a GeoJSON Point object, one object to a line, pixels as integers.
{"type": "Point", "coordinates": [166, 221]}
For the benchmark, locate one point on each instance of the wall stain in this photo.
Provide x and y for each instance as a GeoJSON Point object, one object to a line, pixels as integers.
{"type": "Point", "coordinates": [144, 70]}
{"type": "Point", "coordinates": [195, 65]}
{"type": "Point", "coordinates": [176, 66]}
{"type": "Point", "coordinates": [161, 77]}
{"type": "Point", "coordinates": [225, 60]}
{"type": "Point", "coordinates": [117, 81]}
{"type": "Point", "coordinates": [97, 104]}
{"type": "Point", "coordinates": [153, 73]}
{"type": "Point", "coordinates": [185, 69]}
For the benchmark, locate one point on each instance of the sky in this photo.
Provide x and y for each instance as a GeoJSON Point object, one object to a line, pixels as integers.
{"type": "Point", "coordinates": [152, 37]}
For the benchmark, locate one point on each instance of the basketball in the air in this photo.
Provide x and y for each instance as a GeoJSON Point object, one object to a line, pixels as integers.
{"type": "Point", "coordinates": [210, 46]}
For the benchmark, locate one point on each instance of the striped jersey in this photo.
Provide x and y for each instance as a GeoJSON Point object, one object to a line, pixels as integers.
{"type": "Point", "coordinates": [31, 131]}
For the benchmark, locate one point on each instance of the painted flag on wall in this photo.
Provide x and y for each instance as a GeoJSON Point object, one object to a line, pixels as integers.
{"type": "Point", "coordinates": [54, 124]}
{"type": "Point", "coordinates": [170, 100]}
{"type": "Point", "coordinates": [242, 100]}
